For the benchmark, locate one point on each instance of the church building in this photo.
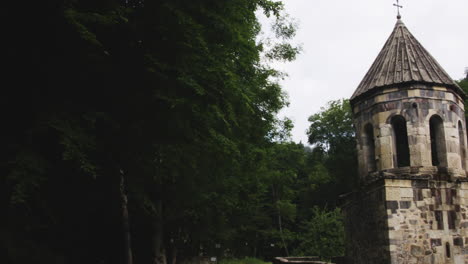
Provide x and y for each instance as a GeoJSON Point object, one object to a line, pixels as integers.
{"type": "Point", "coordinates": [411, 206]}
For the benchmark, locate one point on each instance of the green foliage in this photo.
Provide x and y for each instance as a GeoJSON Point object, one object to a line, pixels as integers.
{"type": "Point", "coordinates": [26, 177]}
{"type": "Point", "coordinates": [319, 175]}
{"type": "Point", "coordinates": [323, 234]}
{"type": "Point", "coordinates": [170, 94]}
{"type": "Point", "coordinates": [332, 134]}
{"type": "Point", "coordinates": [464, 85]}
{"type": "Point", "coordinates": [243, 261]}
{"type": "Point", "coordinates": [332, 126]}
{"type": "Point", "coordinates": [280, 48]}
{"type": "Point", "coordinates": [283, 51]}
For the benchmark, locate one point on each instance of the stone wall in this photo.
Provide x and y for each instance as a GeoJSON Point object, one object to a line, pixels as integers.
{"type": "Point", "coordinates": [412, 205]}
{"type": "Point", "coordinates": [416, 104]}
{"type": "Point", "coordinates": [427, 221]}
{"type": "Point", "coordinates": [408, 221]}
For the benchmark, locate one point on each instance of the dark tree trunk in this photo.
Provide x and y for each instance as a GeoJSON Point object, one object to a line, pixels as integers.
{"type": "Point", "coordinates": [4, 206]}
{"type": "Point", "coordinates": [159, 252]}
{"type": "Point", "coordinates": [255, 245]}
{"type": "Point", "coordinates": [174, 254]}
{"type": "Point", "coordinates": [280, 222]}
{"type": "Point", "coordinates": [128, 256]}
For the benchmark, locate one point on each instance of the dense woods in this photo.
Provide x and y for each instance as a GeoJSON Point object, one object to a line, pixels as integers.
{"type": "Point", "coordinates": [146, 132]}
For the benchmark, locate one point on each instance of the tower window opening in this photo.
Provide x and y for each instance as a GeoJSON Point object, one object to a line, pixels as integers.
{"type": "Point", "coordinates": [461, 138]}
{"type": "Point", "coordinates": [447, 250]}
{"type": "Point", "coordinates": [369, 146]}
{"type": "Point", "coordinates": [400, 139]}
{"type": "Point", "coordinates": [438, 149]}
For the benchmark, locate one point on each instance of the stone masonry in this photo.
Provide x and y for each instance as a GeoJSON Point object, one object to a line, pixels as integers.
{"type": "Point", "coordinates": [411, 139]}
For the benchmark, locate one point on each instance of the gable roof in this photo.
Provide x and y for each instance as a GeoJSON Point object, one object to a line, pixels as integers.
{"type": "Point", "coordinates": [404, 60]}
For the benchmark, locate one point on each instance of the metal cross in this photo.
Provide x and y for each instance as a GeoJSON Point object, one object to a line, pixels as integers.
{"type": "Point", "coordinates": [398, 6]}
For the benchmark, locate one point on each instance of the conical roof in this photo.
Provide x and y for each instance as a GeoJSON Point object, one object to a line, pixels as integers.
{"type": "Point", "coordinates": [404, 60]}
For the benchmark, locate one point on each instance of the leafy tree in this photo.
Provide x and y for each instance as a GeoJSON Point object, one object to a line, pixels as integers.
{"type": "Point", "coordinates": [331, 128]}
{"type": "Point", "coordinates": [464, 85]}
{"type": "Point", "coordinates": [138, 128]}
{"type": "Point", "coordinates": [323, 234]}
{"type": "Point", "coordinates": [286, 160]}
{"type": "Point", "coordinates": [331, 132]}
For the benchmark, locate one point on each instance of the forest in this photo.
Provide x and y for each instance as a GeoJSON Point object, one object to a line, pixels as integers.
{"type": "Point", "coordinates": [147, 132]}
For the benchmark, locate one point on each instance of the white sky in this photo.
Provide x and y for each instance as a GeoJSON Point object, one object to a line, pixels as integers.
{"type": "Point", "coordinates": [341, 39]}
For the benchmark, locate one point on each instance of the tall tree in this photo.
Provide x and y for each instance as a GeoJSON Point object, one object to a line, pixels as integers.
{"type": "Point", "coordinates": [133, 126]}
{"type": "Point", "coordinates": [331, 131]}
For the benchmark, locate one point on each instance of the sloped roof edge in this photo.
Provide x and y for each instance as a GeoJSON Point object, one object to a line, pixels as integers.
{"type": "Point", "coordinates": [404, 60]}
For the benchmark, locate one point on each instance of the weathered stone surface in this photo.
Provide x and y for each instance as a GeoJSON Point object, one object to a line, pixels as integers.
{"type": "Point", "coordinates": [417, 250]}
{"type": "Point", "coordinates": [406, 192]}
{"type": "Point", "coordinates": [413, 206]}
{"type": "Point", "coordinates": [401, 60]}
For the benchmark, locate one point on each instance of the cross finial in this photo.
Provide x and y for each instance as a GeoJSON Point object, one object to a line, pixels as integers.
{"type": "Point", "coordinates": [398, 6]}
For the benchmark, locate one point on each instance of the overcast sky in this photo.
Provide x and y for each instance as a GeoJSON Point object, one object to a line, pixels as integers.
{"type": "Point", "coordinates": [341, 39]}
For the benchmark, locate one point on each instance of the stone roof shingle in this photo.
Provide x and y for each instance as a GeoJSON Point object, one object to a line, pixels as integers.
{"type": "Point", "coordinates": [404, 60]}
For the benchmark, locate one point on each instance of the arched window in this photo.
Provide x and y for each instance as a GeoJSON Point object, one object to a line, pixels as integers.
{"type": "Point", "coordinates": [438, 149]}
{"type": "Point", "coordinates": [461, 138]}
{"type": "Point", "coordinates": [400, 139]}
{"type": "Point", "coordinates": [369, 147]}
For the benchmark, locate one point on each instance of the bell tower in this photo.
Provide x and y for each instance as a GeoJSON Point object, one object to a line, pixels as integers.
{"type": "Point", "coordinates": [411, 206]}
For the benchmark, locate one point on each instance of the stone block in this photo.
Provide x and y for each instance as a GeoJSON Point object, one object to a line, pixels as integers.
{"type": "Point", "coordinates": [380, 98]}
{"type": "Point", "coordinates": [449, 96]}
{"type": "Point", "coordinates": [422, 130]}
{"type": "Point", "coordinates": [426, 159]}
{"type": "Point", "coordinates": [385, 131]}
{"type": "Point", "coordinates": [423, 140]}
{"type": "Point", "coordinates": [398, 183]}
{"type": "Point", "coordinates": [406, 192]}
{"type": "Point", "coordinates": [462, 194]}
{"type": "Point", "coordinates": [453, 146]}
{"type": "Point", "coordinates": [392, 194]}
{"type": "Point", "coordinates": [414, 93]}
{"type": "Point", "coordinates": [451, 132]}
{"type": "Point", "coordinates": [439, 88]}
{"type": "Point", "coordinates": [420, 203]}
{"type": "Point", "coordinates": [385, 141]}
{"type": "Point", "coordinates": [464, 186]}
{"type": "Point", "coordinates": [460, 259]}
{"type": "Point", "coordinates": [382, 117]}
{"type": "Point", "coordinates": [356, 109]}
{"type": "Point", "coordinates": [391, 90]}
{"type": "Point", "coordinates": [386, 161]}
{"type": "Point", "coordinates": [453, 161]}
{"type": "Point", "coordinates": [417, 251]}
